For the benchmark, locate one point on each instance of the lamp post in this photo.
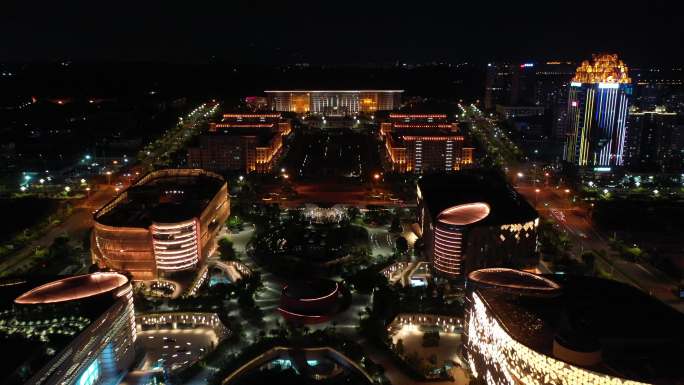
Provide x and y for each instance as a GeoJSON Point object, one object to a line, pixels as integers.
{"type": "Point", "coordinates": [109, 177]}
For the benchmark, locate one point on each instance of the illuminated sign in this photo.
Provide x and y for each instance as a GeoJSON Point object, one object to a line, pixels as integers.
{"type": "Point", "coordinates": [609, 85]}
{"type": "Point", "coordinates": [574, 103]}
{"type": "Point", "coordinates": [576, 84]}
{"type": "Point", "coordinates": [527, 65]}
{"type": "Point", "coordinates": [602, 169]}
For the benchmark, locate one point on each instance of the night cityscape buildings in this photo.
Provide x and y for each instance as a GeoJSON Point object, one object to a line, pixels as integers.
{"type": "Point", "coordinates": [334, 102]}
{"type": "Point", "coordinates": [473, 220]}
{"type": "Point", "coordinates": [165, 223]}
{"type": "Point", "coordinates": [425, 142]}
{"type": "Point", "coordinates": [242, 193]}
{"type": "Point", "coordinates": [597, 112]}
{"type": "Point", "coordinates": [244, 142]}
{"type": "Point", "coordinates": [75, 330]}
{"type": "Point", "coordinates": [531, 329]}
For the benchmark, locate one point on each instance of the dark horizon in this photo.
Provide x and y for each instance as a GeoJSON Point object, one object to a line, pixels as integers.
{"type": "Point", "coordinates": [349, 33]}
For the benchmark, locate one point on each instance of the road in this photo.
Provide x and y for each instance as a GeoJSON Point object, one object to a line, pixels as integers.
{"type": "Point", "coordinates": [75, 226]}
{"type": "Point", "coordinates": [554, 204]}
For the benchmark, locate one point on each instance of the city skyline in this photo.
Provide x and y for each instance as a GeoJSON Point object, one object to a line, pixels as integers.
{"type": "Point", "coordinates": [334, 193]}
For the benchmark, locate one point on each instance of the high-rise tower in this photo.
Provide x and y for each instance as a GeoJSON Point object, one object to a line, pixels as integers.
{"type": "Point", "coordinates": [597, 112]}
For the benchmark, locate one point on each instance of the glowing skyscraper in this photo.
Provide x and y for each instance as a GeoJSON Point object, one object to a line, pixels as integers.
{"type": "Point", "coordinates": [597, 112]}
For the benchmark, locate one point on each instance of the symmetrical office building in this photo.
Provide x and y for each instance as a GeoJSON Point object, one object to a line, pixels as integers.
{"type": "Point", "coordinates": [655, 141]}
{"type": "Point", "coordinates": [425, 142]}
{"type": "Point", "coordinates": [76, 331]}
{"type": "Point", "coordinates": [597, 112]}
{"type": "Point", "coordinates": [250, 142]}
{"type": "Point", "coordinates": [334, 102]}
{"type": "Point", "coordinates": [166, 222]}
{"type": "Point", "coordinates": [474, 219]}
{"type": "Point", "coordinates": [522, 328]}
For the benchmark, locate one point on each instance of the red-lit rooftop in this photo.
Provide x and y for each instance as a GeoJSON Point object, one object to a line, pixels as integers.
{"type": "Point", "coordinates": [464, 214]}
{"type": "Point", "coordinates": [73, 288]}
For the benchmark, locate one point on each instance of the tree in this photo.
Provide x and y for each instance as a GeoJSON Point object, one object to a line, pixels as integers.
{"type": "Point", "coordinates": [353, 213]}
{"type": "Point", "coordinates": [589, 259]}
{"type": "Point", "coordinates": [401, 244]}
{"type": "Point", "coordinates": [400, 347]}
{"type": "Point", "coordinates": [60, 248]}
{"type": "Point", "coordinates": [395, 227]}
{"type": "Point", "coordinates": [226, 249]}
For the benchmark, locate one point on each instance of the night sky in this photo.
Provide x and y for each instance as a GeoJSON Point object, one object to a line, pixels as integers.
{"type": "Point", "coordinates": [344, 32]}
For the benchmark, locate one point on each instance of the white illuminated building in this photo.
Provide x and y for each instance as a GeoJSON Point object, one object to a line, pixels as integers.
{"type": "Point", "coordinates": [514, 337]}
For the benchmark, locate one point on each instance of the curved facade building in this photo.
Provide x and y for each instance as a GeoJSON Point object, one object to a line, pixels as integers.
{"type": "Point", "coordinates": [164, 223]}
{"type": "Point", "coordinates": [470, 220]}
{"type": "Point", "coordinates": [79, 330]}
{"type": "Point", "coordinates": [527, 329]}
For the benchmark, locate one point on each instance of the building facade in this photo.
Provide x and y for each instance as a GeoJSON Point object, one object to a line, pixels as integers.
{"type": "Point", "coordinates": [241, 142]}
{"type": "Point", "coordinates": [653, 142]}
{"type": "Point", "coordinates": [166, 222]}
{"type": "Point", "coordinates": [334, 102]}
{"type": "Point", "coordinates": [424, 143]}
{"type": "Point", "coordinates": [522, 328]}
{"type": "Point", "coordinates": [86, 324]}
{"type": "Point", "coordinates": [597, 112]}
{"type": "Point", "coordinates": [471, 219]}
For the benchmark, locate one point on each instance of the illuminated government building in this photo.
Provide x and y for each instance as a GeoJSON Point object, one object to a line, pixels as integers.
{"type": "Point", "coordinates": [526, 329]}
{"type": "Point", "coordinates": [474, 219]}
{"type": "Point", "coordinates": [75, 331]}
{"type": "Point", "coordinates": [424, 142]}
{"type": "Point", "coordinates": [597, 112]}
{"type": "Point", "coordinates": [334, 102]}
{"type": "Point", "coordinates": [164, 223]}
{"type": "Point", "coordinates": [249, 142]}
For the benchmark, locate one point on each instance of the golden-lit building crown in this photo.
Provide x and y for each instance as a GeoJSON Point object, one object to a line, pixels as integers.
{"type": "Point", "coordinates": [603, 68]}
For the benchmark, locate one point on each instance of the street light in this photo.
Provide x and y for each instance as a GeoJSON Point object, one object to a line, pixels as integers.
{"type": "Point", "coordinates": [83, 181]}
{"type": "Point", "coordinates": [241, 178]}
{"type": "Point", "coordinates": [376, 176]}
{"type": "Point", "coordinates": [656, 192]}
{"type": "Point", "coordinates": [520, 175]}
{"type": "Point", "coordinates": [67, 188]}
{"type": "Point", "coordinates": [41, 180]}
{"type": "Point", "coordinates": [109, 177]}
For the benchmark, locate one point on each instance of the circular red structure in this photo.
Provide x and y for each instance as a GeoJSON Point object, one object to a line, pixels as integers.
{"type": "Point", "coordinates": [309, 301]}
{"type": "Point", "coordinates": [73, 288]}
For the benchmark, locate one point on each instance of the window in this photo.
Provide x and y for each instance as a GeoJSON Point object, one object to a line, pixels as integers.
{"type": "Point", "coordinates": [90, 375]}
